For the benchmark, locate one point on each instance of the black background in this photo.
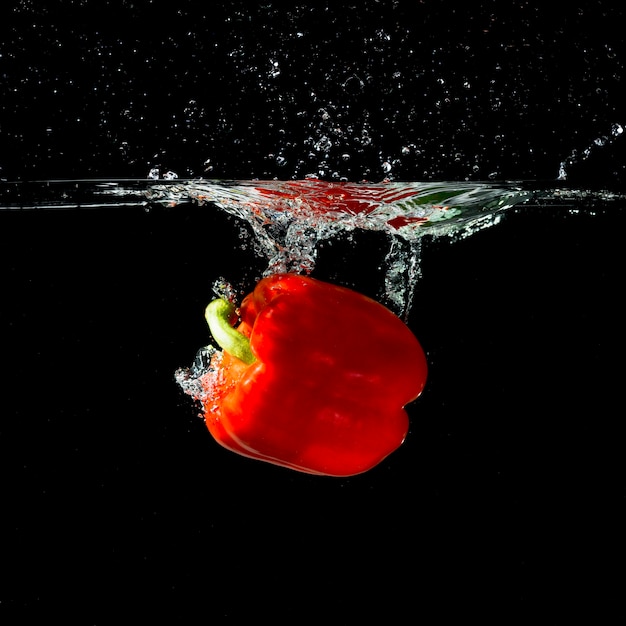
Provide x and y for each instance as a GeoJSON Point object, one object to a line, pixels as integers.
{"type": "Point", "coordinates": [506, 501]}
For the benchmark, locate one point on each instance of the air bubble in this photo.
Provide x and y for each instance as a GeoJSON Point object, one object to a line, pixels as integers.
{"type": "Point", "coordinates": [324, 144]}
{"type": "Point", "coordinates": [223, 289]}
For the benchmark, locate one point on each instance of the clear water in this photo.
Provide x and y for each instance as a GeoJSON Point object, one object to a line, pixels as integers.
{"type": "Point", "coordinates": [517, 432]}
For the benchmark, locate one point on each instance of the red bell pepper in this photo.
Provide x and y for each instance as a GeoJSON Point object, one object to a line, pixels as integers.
{"type": "Point", "coordinates": [314, 377]}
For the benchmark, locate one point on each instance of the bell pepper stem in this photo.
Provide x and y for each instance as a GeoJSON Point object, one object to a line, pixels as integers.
{"type": "Point", "coordinates": [218, 315]}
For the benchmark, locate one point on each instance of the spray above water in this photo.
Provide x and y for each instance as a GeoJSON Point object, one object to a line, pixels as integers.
{"type": "Point", "coordinates": [577, 157]}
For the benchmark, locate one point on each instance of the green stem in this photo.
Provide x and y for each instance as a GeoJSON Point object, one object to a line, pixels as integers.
{"type": "Point", "coordinates": [218, 316]}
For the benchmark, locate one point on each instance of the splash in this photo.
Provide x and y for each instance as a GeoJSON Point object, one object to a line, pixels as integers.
{"type": "Point", "coordinates": [289, 219]}
{"type": "Point", "coordinates": [577, 157]}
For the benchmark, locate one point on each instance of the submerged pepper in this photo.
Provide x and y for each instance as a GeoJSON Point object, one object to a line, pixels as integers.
{"type": "Point", "coordinates": [313, 376]}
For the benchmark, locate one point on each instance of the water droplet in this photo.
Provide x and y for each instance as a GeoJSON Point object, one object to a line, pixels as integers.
{"type": "Point", "coordinates": [274, 70]}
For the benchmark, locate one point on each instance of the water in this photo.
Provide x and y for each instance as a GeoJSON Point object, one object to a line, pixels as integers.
{"type": "Point", "coordinates": [517, 434]}
{"type": "Point", "coordinates": [290, 219]}
{"type": "Point", "coordinates": [287, 221]}
{"type": "Point", "coordinates": [578, 157]}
